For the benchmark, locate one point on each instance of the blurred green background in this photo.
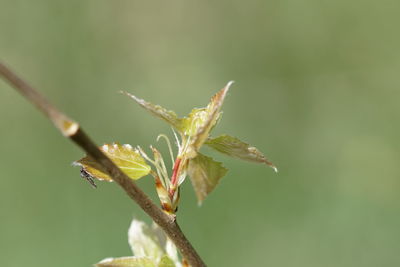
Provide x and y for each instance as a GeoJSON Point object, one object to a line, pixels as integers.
{"type": "Point", "coordinates": [317, 90]}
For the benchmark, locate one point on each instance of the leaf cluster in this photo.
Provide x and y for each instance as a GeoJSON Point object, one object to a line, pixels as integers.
{"type": "Point", "coordinates": [194, 131]}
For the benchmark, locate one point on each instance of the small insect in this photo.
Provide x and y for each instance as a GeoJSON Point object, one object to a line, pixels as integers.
{"type": "Point", "coordinates": [85, 175]}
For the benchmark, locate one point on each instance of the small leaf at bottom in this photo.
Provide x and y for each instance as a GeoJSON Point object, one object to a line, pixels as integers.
{"type": "Point", "coordinates": [205, 174]}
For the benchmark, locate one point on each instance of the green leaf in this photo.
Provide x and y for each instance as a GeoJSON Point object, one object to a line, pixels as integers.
{"type": "Point", "coordinates": [127, 262]}
{"type": "Point", "coordinates": [205, 174]}
{"type": "Point", "coordinates": [151, 242]}
{"type": "Point", "coordinates": [191, 124]}
{"type": "Point", "coordinates": [213, 113]}
{"type": "Point", "coordinates": [167, 115]}
{"type": "Point", "coordinates": [146, 241]}
{"type": "Point", "coordinates": [127, 159]}
{"type": "Point", "coordinates": [166, 262]}
{"type": "Point", "coordinates": [198, 124]}
{"type": "Point", "coordinates": [236, 148]}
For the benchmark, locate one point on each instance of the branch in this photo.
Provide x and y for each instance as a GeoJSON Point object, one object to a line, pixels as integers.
{"type": "Point", "coordinates": [73, 131]}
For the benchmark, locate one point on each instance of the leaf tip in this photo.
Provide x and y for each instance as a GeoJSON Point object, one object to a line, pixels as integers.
{"type": "Point", "coordinates": [228, 85]}
{"type": "Point", "coordinates": [226, 89]}
{"type": "Point", "coordinates": [270, 164]}
{"type": "Point", "coordinates": [104, 262]}
{"type": "Point", "coordinates": [76, 163]}
{"type": "Point", "coordinates": [137, 99]}
{"type": "Point", "coordinates": [275, 169]}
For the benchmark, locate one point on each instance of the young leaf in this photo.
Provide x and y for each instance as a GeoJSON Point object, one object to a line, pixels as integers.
{"type": "Point", "coordinates": [205, 174]}
{"type": "Point", "coordinates": [191, 124]}
{"type": "Point", "coordinates": [234, 147]}
{"type": "Point", "coordinates": [127, 262]}
{"type": "Point", "coordinates": [167, 115]}
{"type": "Point", "coordinates": [127, 159]}
{"type": "Point", "coordinates": [202, 121]}
{"type": "Point", "coordinates": [171, 251]}
{"type": "Point", "coordinates": [151, 242]}
{"type": "Point", "coordinates": [145, 241]}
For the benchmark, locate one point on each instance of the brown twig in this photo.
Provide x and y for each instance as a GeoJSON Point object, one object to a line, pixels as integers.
{"type": "Point", "coordinates": [73, 131]}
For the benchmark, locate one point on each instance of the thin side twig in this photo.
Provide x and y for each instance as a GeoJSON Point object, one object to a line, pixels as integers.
{"type": "Point", "coordinates": [73, 131]}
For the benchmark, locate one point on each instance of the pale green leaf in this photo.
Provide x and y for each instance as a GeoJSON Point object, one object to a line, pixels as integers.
{"type": "Point", "coordinates": [198, 124]}
{"type": "Point", "coordinates": [167, 115]}
{"type": "Point", "coordinates": [205, 173]}
{"type": "Point", "coordinates": [172, 251]}
{"type": "Point", "coordinates": [127, 262]}
{"type": "Point", "coordinates": [166, 262]}
{"type": "Point", "coordinates": [234, 147]}
{"type": "Point", "coordinates": [127, 159]}
{"type": "Point", "coordinates": [196, 119]}
{"type": "Point", "coordinates": [213, 113]}
{"type": "Point", "coordinates": [146, 241]}
{"type": "Point", "coordinates": [151, 242]}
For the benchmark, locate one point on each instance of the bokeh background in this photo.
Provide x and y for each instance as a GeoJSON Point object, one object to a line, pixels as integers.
{"type": "Point", "coordinates": [317, 90]}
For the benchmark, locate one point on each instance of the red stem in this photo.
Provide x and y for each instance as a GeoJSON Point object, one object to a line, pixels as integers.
{"type": "Point", "coordinates": [174, 178]}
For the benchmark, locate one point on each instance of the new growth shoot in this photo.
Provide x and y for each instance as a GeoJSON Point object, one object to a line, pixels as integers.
{"type": "Point", "coordinates": [194, 132]}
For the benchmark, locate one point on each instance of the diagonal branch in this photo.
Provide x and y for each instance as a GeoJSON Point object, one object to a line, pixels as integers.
{"type": "Point", "coordinates": [73, 131]}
